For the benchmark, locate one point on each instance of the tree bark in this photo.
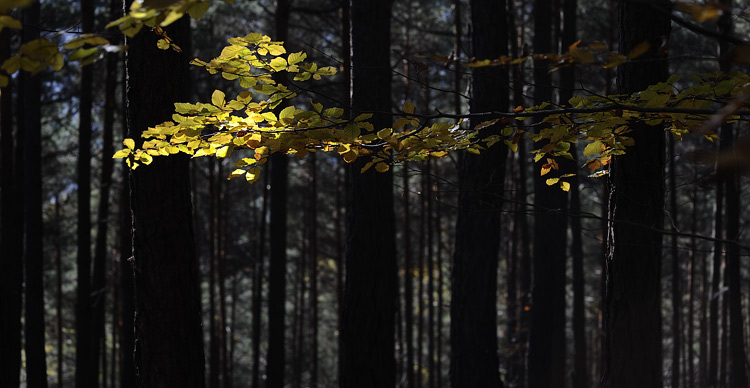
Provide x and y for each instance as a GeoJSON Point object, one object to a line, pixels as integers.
{"type": "Point", "coordinates": [546, 355]}
{"type": "Point", "coordinates": [737, 360]}
{"type": "Point", "coordinates": [86, 369]}
{"type": "Point", "coordinates": [474, 361]}
{"type": "Point", "coordinates": [368, 324]}
{"type": "Point", "coordinates": [36, 364]}
{"type": "Point", "coordinates": [169, 342]}
{"type": "Point", "coordinates": [676, 295]}
{"type": "Point", "coordinates": [11, 235]}
{"type": "Point", "coordinates": [277, 267]}
{"type": "Point", "coordinates": [632, 308]}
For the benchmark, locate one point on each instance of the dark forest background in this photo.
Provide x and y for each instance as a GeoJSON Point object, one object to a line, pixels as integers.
{"type": "Point", "coordinates": [490, 277]}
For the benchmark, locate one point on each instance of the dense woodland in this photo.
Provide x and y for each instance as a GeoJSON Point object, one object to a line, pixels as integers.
{"type": "Point", "coordinates": [457, 269]}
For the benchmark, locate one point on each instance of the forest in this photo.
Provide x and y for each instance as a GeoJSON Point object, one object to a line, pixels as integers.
{"type": "Point", "coordinates": [445, 193]}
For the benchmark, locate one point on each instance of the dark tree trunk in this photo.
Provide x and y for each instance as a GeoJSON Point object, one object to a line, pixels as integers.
{"type": "Point", "coordinates": [313, 252]}
{"type": "Point", "coordinates": [36, 364]}
{"type": "Point", "coordinates": [277, 266]}
{"type": "Point", "coordinates": [546, 355]}
{"type": "Point", "coordinates": [368, 323]}
{"type": "Point", "coordinates": [408, 282]}
{"type": "Point", "coordinates": [86, 368]}
{"type": "Point", "coordinates": [98, 284]}
{"type": "Point", "coordinates": [632, 308]}
{"type": "Point", "coordinates": [676, 295]}
{"type": "Point", "coordinates": [568, 84]}
{"type": "Point", "coordinates": [258, 269]}
{"type": "Point", "coordinates": [737, 360]}
{"type": "Point", "coordinates": [11, 236]}
{"type": "Point", "coordinates": [517, 360]}
{"type": "Point", "coordinates": [169, 342]}
{"type": "Point", "coordinates": [474, 361]}
{"type": "Point", "coordinates": [725, 26]}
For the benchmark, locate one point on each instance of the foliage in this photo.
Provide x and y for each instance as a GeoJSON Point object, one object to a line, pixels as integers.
{"type": "Point", "coordinates": [220, 127]}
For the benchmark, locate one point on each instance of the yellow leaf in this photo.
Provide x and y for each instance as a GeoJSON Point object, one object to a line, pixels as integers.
{"type": "Point", "coordinates": [198, 9]}
{"type": "Point", "coordinates": [7, 21]}
{"type": "Point", "coordinates": [366, 167]}
{"type": "Point", "coordinates": [278, 64]}
{"type": "Point", "coordinates": [565, 186]}
{"type": "Point", "coordinates": [350, 156]}
{"type": "Point", "coordinates": [217, 98]}
{"type": "Point", "coordinates": [639, 50]}
{"type": "Point", "coordinates": [163, 44]}
{"type": "Point", "coordinates": [129, 143]}
{"type": "Point", "coordinates": [408, 108]}
{"type": "Point", "coordinates": [552, 181]}
{"type": "Point", "coordinates": [382, 167]}
{"type": "Point", "coordinates": [275, 49]}
{"type": "Point", "coordinates": [121, 154]}
{"type": "Point", "coordinates": [384, 133]}
{"type": "Point", "coordinates": [224, 151]}
{"type": "Point", "coordinates": [252, 174]}
{"type": "Point", "coordinates": [592, 148]}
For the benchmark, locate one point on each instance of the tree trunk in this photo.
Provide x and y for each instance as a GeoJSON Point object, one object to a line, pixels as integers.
{"type": "Point", "coordinates": [676, 295]}
{"type": "Point", "coordinates": [368, 324]}
{"type": "Point", "coordinates": [98, 284]}
{"type": "Point", "coordinates": [737, 360]}
{"type": "Point", "coordinates": [86, 368]}
{"type": "Point", "coordinates": [36, 364]}
{"type": "Point", "coordinates": [11, 235]}
{"type": "Point", "coordinates": [169, 342]}
{"type": "Point", "coordinates": [546, 355]}
{"type": "Point", "coordinates": [277, 267]}
{"type": "Point", "coordinates": [632, 308]}
{"type": "Point", "coordinates": [474, 361]}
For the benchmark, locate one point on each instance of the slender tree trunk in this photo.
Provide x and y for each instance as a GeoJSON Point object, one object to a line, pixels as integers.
{"type": "Point", "coordinates": [368, 322]}
{"type": "Point", "coordinates": [546, 355]}
{"type": "Point", "coordinates": [342, 186]}
{"type": "Point", "coordinates": [517, 370]}
{"type": "Point", "coordinates": [313, 251]}
{"type": "Point", "coordinates": [278, 230]}
{"type": "Point", "coordinates": [258, 283]}
{"type": "Point", "coordinates": [11, 235]}
{"type": "Point", "coordinates": [474, 361]}
{"type": "Point", "coordinates": [408, 281]}
{"type": "Point", "coordinates": [632, 307]}
{"type": "Point", "coordinates": [98, 284]}
{"type": "Point", "coordinates": [676, 295]}
{"type": "Point", "coordinates": [58, 292]}
{"type": "Point", "coordinates": [737, 358]}
{"type": "Point", "coordinates": [430, 277]}
{"type": "Point", "coordinates": [723, 367]}
{"type": "Point", "coordinates": [568, 84]}
{"type": "Point", "coordinates": [36, 364]}
{"type": "Point", "coordinates": [169, 343]}
{"type": "Point", "coordinates": [691, 292]}
{"type": "Point", "coordinates": [213, 340]}
{"type": "Point", "coordinates": [86, 363]}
